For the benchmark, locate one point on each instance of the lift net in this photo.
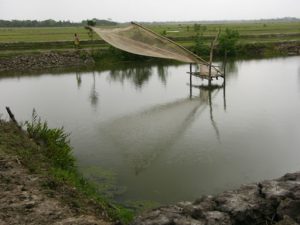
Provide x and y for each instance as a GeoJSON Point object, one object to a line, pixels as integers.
{"type": "Point", "coordinates": [139, 40]}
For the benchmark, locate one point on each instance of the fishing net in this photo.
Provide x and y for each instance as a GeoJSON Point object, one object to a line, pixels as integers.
{"type": "Point", "coordinates": [139, 40]}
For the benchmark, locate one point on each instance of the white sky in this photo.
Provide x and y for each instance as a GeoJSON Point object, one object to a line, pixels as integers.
{"type": "Point", "coordinates": [148, 10]}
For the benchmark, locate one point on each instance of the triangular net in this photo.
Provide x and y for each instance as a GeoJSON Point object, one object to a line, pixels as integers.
{"type": "Point", "coordinates": [139, 40]}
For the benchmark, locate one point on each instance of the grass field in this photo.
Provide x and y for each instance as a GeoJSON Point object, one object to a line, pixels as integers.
{"type": "Point", "coordinates": [18, 39]}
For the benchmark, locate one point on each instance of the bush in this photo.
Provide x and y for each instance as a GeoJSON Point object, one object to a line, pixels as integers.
{"type": "Point", "coordinates": [200, 47]}
{"type": "Point", "coordinates": [228, 41]}
{"type": "Point", "coordinates": [57, 141]}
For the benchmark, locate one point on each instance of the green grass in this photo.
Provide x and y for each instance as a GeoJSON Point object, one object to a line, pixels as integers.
{"type": "Point", "coordinates": [67, 33]}
{"type": "Point", "coordinates": [42, 34]}
{"type": "Point", "coordinates": [19, 40]}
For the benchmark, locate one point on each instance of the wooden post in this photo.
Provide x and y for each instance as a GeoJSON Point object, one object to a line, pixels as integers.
{"type": "Point", "coordinates": [225, 62]}
{"type": "Point", "coordinates": [191, 71]}
{"type": "Point", "coordinates": [210, 61]}
{"type": "Point", "coordinates": [224, 94]}
{"type": "Point", "coordinates": [211, 55]}
{"type": "Point", "coordinates": [224, 81]}
{"type": "Point", "coordinates": [12, 117]}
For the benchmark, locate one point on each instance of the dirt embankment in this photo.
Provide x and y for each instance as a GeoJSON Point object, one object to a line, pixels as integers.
{"type": "Point", "coordinates": [27, 197]}
{"type": "Point", "coordinates": [45, 60]}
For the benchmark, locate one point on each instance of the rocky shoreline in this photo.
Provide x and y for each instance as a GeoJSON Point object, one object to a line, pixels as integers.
{"type": "Point", "coordinates": [45, 60]}
{"type": "Point", "coordinates": [269, 202]}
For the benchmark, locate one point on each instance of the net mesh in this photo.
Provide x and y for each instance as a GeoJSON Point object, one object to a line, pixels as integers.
{"type": "Point", "coordinates": [139, 40]}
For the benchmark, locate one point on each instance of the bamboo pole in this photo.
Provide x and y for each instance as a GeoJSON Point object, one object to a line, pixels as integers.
{"type": "Point", "coordinates": [191, 71]}
{"type": "Point", "coordinates": [213, 43]}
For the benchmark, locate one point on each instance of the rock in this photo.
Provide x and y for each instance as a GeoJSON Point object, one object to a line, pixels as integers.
{"type": "Point", "coordinates": [290, 208]}
{"type": "Point", "coordinates": [287, 221]}
{"type": "Point", "coordinates": [265, 203]}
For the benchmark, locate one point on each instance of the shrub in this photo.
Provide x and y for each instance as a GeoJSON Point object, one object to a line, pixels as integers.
{"type": "Point", "coordinates": [57, 141]}
{"type": "Point", "coordinates": [200, 47]}
{"type": "Point", "coordinates": [228, 41]}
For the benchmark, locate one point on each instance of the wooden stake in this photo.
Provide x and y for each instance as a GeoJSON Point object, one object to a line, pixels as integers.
{"type": "Point", "coordinates": [211, 54]}
{"type": "Point", "coordinates": [11, 115]}
{"type": "Point", "coordinates": [191, 71]}
{"type": "Point", "coordinates": [225, 62]}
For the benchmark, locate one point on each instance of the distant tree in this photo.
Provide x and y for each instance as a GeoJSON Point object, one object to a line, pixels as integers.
{"type": "Point", "coordinates": [51, 23]}
{"type": "Point", "coordinates": [228, 41]}
{"type": "Point", "coordinates": [187, 28]}
{"type": "Point", "coordinates": [197, 27]}
{"type": "Point", "coordinates": [91, 23]}
{"type": "Point", "coordinates": [164, 33]}
{"type": "Point", "coordinates": [200, 47]}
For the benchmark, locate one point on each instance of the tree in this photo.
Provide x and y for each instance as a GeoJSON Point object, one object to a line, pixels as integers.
{"type": "Point", "coordinates": [91, 23]}
{"type": "Point", "coordinates": [200, 47]}
{"type": "Point", "coordinates": [228, 41]}
{"type": "Point", "coordinates": [197, 27]}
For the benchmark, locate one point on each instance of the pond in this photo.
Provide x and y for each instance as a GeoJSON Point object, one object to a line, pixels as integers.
{"type": "Point", "coordinates": [143, 134]}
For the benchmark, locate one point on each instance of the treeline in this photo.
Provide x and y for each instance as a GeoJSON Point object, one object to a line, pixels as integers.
{"type": "Point", "coordinates": [51, 23]}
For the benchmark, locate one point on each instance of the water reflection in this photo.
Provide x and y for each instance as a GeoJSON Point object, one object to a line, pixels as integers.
{"type": "Point", "coordinates": [137, 75]}
{"type": "Point", "coordinates": [162, 72]}
{"type": "Point", "coordinates": [299, 75]}
{"type": "Point", "coordinates": [231, 68]}
{"type": "Point", "coordinates": [207, 93]}
{"type": "Point", "coordinates": [144, 136]}
{"type": "Point", "coordinates": [94, 94]}
{"type": "Point", "coordinates": [78, 79]}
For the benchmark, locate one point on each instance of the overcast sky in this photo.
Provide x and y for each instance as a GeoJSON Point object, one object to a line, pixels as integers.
{"type": "Point", "coordinates": [148, 10]}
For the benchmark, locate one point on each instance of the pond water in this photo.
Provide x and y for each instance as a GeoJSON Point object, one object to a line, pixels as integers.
{"type": "Point", "coordinates": [141, 132]}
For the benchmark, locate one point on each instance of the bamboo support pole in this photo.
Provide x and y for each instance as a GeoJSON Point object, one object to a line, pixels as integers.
{"type": "Point", "coordinates": [12, 117]}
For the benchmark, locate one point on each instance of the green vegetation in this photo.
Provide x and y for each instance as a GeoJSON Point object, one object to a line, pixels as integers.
{"type": "Point", "coordinates": [228, 41]}
{"type": "Point", "coordinates": [201, 48]}
{"type": "Point", "coordinates": [32, 39]}
{"type": "Point", "coordinates": [51, 23]}
{"type": "Point", "coordinates": [54, 160]}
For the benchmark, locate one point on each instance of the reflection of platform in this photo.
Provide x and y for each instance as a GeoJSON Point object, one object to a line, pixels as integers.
{"type": "Point", "coordinates": [205, 75]}
{"type": "Point", "coordinates": [210, 87]}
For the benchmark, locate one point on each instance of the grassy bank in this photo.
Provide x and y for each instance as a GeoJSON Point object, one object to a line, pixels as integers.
{"type": "Point", "coordinates": [47, 153]}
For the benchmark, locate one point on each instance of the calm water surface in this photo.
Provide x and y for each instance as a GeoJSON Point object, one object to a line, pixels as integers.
{"type": "Point", "coordinates": [138, 128]}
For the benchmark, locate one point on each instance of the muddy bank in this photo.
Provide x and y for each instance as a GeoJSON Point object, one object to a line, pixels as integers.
{"type": "Point", "coordinates": [30, 195]}
{"type": "Point", "coordinates": [23, 201]}
{"type": "Point", "coordinates": [269, 202]}
{"type": "Point", "coordinates": [266, 49]}
{"type": "Point", "coordinates": [45, 60]}
{"type": "Point", "coordinates": [35, 189]}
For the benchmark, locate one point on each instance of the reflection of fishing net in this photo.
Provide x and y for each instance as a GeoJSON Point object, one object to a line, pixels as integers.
{"type": "Point", "coordinates": [139, 40]}
{"type": "Point", "coordinates": [144, 136]}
